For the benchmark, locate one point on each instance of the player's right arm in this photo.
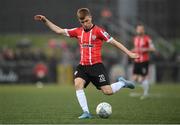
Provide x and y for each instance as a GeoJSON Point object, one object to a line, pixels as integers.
{"type": "Point", "coordinates": [49, 24]}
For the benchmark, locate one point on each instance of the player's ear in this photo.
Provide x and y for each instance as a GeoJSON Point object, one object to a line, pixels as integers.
{"type": "Point", "coordinates": [90, 18]}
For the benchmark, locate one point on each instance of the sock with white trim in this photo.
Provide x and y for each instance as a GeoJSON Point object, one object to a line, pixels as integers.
{"type": "Point", "coordinates": [145, 86]}
{"type": "Point", "coordinates": [117, 86]}
{"type": "Point", "coordinates": [82, 100]}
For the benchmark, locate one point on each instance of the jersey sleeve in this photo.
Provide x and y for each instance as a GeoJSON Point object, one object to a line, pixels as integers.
{"type": "Point", "coordinates": [103, 35]}
{"type": "Point", "coordinates": [71, 32]}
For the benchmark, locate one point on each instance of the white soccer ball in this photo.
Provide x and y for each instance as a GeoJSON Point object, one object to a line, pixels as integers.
{"type": "Point", "coordinates": [104, 110]}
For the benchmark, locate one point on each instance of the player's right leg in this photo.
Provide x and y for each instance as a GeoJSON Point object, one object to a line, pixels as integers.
{"type": "Point", "coordinates": [79, 85]}
{"type": "Point", "coordinates": [135, 78]}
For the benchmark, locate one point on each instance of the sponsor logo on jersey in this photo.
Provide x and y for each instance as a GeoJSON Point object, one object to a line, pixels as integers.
{"type": "Point", "coordinates": [87, 45]}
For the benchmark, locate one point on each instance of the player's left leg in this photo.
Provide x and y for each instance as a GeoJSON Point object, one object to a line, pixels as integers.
{"type": "Point", "coordinates": [145, 86]}
{"type": "Point", "coordinates": [99, 77]}
{"type": "Point", "coordinates": [115, 87]}
{"type": "Point", "coordinates": [144, 79]}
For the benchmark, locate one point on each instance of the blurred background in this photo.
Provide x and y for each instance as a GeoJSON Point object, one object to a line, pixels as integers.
{"type": "Point", "coordinates": [31, 53]}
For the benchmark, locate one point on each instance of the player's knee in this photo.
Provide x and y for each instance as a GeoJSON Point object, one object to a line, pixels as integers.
{"type": "Point", "coordinates": [79, 84]}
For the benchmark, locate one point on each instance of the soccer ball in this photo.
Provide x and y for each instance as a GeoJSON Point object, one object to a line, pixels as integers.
{"type": "Point", "coordinates": [104, 110]}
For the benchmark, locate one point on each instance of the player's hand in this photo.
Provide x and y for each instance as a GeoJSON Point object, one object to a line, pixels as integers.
{"type": "Point", "coordinates": [39, 18]}
{"type": "Point", "coordinates": [134, 50]}
{"type": "Point", "coordinates": [134, 55]}
{"type": "Point", "coordinates": [144, 49]}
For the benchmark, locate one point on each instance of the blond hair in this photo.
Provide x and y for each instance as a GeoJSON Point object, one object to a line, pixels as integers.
{"type": "Point", "coordinates": [82, 13]}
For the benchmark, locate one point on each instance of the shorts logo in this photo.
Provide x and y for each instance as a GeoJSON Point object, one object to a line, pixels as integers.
{"type": "Point", "coordinates": [102, 78]}
{"type": "Point", "coordinates": [75, 72]}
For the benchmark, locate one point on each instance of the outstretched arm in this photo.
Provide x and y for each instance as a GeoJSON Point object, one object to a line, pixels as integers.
{"type": "Point", "coordinates": [124, 49]}
{"type": "Point", "coordinates": [151, 48]}
{"type": "Point", "coordinates": [49, 24]}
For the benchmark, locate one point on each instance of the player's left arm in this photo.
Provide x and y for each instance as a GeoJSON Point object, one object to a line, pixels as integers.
{"type": "Point", "coordinates": [106, 37]}
{"type": "Point", "coordinates": [123, 48]}
{"type": "Point", "coordinates": [150, 48]}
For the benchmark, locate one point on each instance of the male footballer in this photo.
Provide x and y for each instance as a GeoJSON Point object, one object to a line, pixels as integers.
{"type": "Point", "coordinates": [90, 69]}
{"type": "Point", "coordinates": [142, 46]}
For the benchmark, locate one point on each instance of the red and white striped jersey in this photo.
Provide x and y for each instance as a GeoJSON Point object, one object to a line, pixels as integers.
{"type": "Point", "coordinates": [90, 43]}
{"type": "Point", "coordinates": [142, 42]}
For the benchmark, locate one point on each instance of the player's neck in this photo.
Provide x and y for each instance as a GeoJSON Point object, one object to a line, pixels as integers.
{"type": "Point", "coordinates": [141, 35]}
{"type": "Point", "coordinates": [87, 30]}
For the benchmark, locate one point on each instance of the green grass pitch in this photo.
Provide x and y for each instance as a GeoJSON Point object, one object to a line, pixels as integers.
{"type": "Point", "coordinates": [57, 104]}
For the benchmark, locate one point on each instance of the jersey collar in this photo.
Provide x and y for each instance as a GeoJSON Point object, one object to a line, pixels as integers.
{"type": "Point", "coordinates": [87, 30]}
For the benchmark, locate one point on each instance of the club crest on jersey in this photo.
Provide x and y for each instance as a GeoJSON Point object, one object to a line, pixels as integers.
{"type": "Point", "coordinates": [93, 37]}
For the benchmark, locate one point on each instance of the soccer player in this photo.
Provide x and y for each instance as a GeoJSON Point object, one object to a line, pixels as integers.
{"type": "Point", "coordinates": [90, 39]}
{"type": "Point", "coordinates": [142, 46]}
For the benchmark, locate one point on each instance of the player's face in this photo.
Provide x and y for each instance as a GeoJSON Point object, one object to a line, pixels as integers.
{"type": "Point", "coordinates": [140, 30]}
{"type": "Point", "coordinates": [87, 22]}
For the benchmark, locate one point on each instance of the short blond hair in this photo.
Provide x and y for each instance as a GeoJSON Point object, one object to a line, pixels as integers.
{"type": "Point", "coordinates": [82, 13]}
